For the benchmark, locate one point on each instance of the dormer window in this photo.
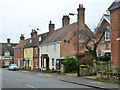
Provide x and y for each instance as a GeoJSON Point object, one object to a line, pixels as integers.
{"type": "Point", "coordinates": [107, 34]}
{"type": "Point", "coordinates": [39, 38]}
{"type": "Point", "coordinates": [7, 54]}
{"type": "Point", "coordinates": [30, 40]}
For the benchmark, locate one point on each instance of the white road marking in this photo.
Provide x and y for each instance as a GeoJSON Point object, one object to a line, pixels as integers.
{"type": "Point", "coordinates": [44, 74]}
{"type": "Point", "coordinates": [48, 75]}
{"type": "Point", "coordinates": [30, 86]}
{"type": "Point", "coordinates": [24, 71]}
{"type": "Point", "coordinates": [39, 74]}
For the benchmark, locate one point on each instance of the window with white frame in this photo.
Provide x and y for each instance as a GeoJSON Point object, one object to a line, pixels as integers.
{"type": "Point", "coordinates": [7, 54]}
{"type": "Point", "coordinates": [21, 52]}
{"type": "Point", "coordinates": [30, 40]}
{"type": "Point", "coordinates": [107, 34]}
{"type": "Point", "coordinates": [31, 51]}
{"type": "Point", "coordinates": [39, 38]}
{"type": "Point", "coordinates": [54, 47]}
{"type": "Point", "coordinates": [31, 63]}
{"type": "Point", "coordinates": [36, 49]}
{"type": "Point", "coordinates": [25, 51]}
{"type": "Point", "coordinates": [52, 61]}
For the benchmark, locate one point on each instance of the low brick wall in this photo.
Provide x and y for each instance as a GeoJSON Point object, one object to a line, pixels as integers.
{"type": "Point", "coordinates": [110, 76]}
{"type": "Point", "coordinates": [87, 71]}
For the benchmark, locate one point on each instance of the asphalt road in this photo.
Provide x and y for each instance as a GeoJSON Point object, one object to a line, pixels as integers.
{"type": "Point", "coordinates": [24, 79]}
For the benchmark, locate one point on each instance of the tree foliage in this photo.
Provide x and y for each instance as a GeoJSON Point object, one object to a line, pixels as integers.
{"type": "Point", "coordinates": [90, 38]}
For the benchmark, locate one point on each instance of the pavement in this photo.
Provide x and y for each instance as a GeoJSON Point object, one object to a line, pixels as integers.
{"type": "Point", "coordinates": [89, 82]}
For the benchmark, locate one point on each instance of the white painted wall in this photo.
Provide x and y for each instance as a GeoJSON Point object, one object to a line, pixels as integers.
{"type": "Point", "coordinates": [52, 53]}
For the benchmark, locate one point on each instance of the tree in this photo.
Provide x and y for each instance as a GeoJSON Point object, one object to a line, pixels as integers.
{"type": "Point", "coordinates": [89, 37]}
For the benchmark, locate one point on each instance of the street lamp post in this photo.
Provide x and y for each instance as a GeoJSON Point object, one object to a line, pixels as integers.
{"type": "Point", "coordinates": [78, 73]}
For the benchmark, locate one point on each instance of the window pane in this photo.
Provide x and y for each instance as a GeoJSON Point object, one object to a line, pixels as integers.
{"type": "Point", "coordinates": [52, 61]}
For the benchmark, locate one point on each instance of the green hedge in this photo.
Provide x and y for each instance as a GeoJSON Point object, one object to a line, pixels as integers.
{"type": "Point", "coordinates": [70, 64]}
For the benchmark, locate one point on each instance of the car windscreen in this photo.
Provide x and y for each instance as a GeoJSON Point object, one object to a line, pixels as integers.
{"type": "Point", "coordinates": [13, 65]}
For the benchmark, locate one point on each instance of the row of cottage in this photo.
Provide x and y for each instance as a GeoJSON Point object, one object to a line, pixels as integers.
{"type": "Point", "coordinates": [45, 50]}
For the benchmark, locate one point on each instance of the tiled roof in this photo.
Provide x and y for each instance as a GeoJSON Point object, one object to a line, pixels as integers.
{"type": "Point", "coordinates": [114, 5]}
{"type": "Point", "coordinates": [35, 40]}
{"type": "Point", "coordinates": [10, 48]}
{"type": "Point", "coordinates": [58, 34]}
{"type": "Point", "coordinates": [21, 44]}
{"type": "Point", "coordinates": [104, 17]}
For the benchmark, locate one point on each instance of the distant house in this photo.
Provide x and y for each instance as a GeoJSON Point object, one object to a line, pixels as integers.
{"type": "Point", "coordinates": [115, 32]}
{"type": "Point", "coordinates": [7, 53]}
{"type": "Point", "coordinates": [56, 46]}
{"type": "Point", "coordinates": [104, 48]}
{"type": "Point", "coordinates": [19, 52]}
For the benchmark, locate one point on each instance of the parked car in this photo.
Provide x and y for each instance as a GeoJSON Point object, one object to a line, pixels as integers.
{"type": "Point", "coordinates": [13, 67]}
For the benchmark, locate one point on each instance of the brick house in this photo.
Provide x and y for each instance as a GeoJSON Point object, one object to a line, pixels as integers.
{"type": "Point", "coordinates": [115, 32]}
{"type": "Point", "coordinates": [7, 53]}
{"type": "Point", "coordinates": [56, 46]}
{"type": "Point", "coordinates": [105, 45]}
{"type": "Point", "coordinates": [19, 52]}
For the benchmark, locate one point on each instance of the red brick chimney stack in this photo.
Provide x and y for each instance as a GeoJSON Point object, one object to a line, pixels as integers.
{"type": "Point", "coordinates": [81, 15]}
{"type": "Point", "coordinates": [65, 20]}
{"type": "Point", "coordinates": [51, 27]}
{"type": "Point", "coordinates": [22, 37]}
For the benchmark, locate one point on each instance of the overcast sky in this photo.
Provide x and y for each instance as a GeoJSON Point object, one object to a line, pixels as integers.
{"type": "Point", "coordinates": [17, 15]}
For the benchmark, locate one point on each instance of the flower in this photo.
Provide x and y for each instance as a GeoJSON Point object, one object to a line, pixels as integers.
{"type": "Point", "coordinates": [80, 55]}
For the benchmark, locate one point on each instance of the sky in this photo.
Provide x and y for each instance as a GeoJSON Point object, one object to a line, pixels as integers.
{"type": "Point", "coordinates": [20, 16]}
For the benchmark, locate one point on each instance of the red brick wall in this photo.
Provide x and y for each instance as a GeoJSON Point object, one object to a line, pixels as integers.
{"type": "Point", "coordinates": [115, 33]}
{"type": "Point", "coordinates": [19, 54]}
{"type": "Point", "coordinates": [35, 57]}
{"type": "Point", "coordinates": [104, 24]}
{"type": "Point", "coordinates": [70, 49]}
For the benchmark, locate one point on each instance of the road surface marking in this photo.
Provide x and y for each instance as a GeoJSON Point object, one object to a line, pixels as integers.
{"type": "Point", "coordinates": [30, 86]}
{"type": "Point", "coordinates": [24, 71]}
{"type": "Point", "coordinates": [39, 74]}
{"type": "Point", "coordinates": [48, 75]}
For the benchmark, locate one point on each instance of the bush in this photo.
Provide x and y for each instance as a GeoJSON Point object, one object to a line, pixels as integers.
{"type": "Point", "coordinates": [70, 64]}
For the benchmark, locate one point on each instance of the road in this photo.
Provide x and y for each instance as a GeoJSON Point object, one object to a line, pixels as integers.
{"type": "Point", "coordinates": [25, 79]}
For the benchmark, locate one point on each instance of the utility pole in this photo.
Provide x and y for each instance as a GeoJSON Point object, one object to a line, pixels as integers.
{"type": "Point", "coordinates": [78, 72]}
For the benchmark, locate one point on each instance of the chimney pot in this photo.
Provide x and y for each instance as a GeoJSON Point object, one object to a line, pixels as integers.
{"type": "Point", "coordinates": [51, 26]}
{"type": "Point", "coordinates": [33, 33]}
{"type": "Point", "coordinates": [65, 20]}
{"type": "Point", "coordinates": [22, 37]}
{"type": "Point", "coordinates": [8, 41]}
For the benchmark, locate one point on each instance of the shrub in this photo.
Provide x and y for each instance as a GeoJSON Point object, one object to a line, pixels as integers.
{"type": "Point", "coordinates": [70, 64]}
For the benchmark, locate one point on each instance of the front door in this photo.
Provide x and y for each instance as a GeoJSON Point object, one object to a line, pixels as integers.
{"type": "Point", "coordinates": [47, 63]}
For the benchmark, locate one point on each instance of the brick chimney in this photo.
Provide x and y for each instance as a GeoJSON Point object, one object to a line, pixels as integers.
{"type": "Point", "coordinates": [33, 33]}
{"type": "Point", "coordinates": [22, 37]}
{"type": "Point", "coordinates": [65, 20]}
{"type": "Point", "coordinates": [81, 15]}
{"type": "Point", "coordinates": [51, 26]}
